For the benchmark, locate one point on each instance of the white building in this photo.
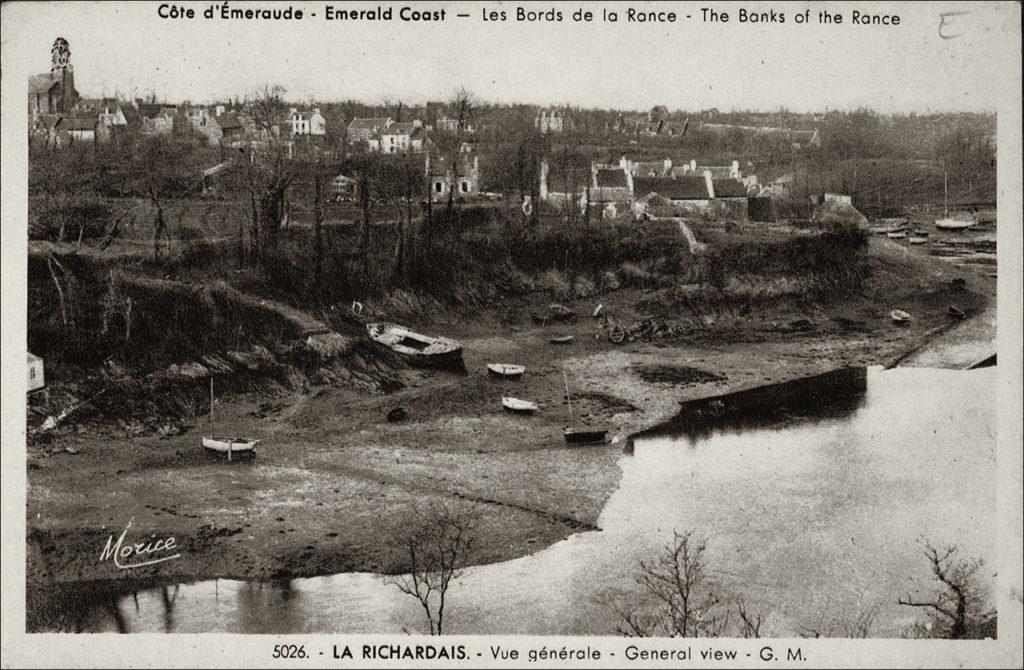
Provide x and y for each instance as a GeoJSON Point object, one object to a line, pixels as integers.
{"type": "Point", "coordinates": [306, 123]}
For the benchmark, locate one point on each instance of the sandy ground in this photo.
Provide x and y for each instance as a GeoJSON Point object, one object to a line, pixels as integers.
{"type": "Point", "coordinates": [335, 484]}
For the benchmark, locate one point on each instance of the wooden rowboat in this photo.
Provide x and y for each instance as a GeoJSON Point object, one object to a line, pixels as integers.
{"type": "Point", "coordinates": [419, 350]}
{"type": "Point", "coordinates": [561, 339]}
{"type": "Point", "coordinates": [916, 239]}
{"type": "Point", "coordinates": [519, 406]}
{"type": "Point", "coordinates": [899, 316]}
{"type": "Point", "coordinates": [505, 370]}
{"type": "Point", "coordinates": [230, 445]}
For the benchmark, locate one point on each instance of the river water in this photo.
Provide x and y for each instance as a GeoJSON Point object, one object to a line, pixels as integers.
{"type": "Point", "coordinates": [813, 518]}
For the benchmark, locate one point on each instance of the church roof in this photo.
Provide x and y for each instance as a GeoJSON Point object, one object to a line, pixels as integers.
{"type": "Point", "coordinates": [41, 83]}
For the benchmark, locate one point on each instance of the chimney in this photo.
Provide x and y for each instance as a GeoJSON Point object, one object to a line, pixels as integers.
{"type": "Point", "coordinates": [693, 165]}
{"type": "Point", "coordinates": [710, 184]}
{"type": "Point", "coordinates": [735, 170]}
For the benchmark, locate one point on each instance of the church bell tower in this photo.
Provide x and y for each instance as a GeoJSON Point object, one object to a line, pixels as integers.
{"type": "Point", "coordinates": [61, 70]}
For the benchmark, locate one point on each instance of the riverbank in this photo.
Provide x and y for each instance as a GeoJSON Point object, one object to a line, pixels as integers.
{"type": "Point", "coordinates": [335, 482]}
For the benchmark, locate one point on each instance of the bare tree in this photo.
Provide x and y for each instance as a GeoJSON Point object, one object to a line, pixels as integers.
{"type": "Point", "coordinates": [686, 601]}
{"type": "Point", "coordinates": [463, 102]}
{"type": "Point", "coordinates": [956, 606]}
{"type": "Point", "coordinates": [271, 171]}
{"type": "Point", "coordinates": [442, 542]}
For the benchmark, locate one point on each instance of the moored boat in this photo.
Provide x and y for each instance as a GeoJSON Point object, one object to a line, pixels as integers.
{"type": "Point", "coordinates": [561, 339]}
{"type": "Point", "coordinates": [230, 445]}
{"type": "Point", "coordinates": [518, 406]}
{"type": "Point", "coordinates": [585, 436]}
{"type": "Point", "coordinates": [418, 349]}
{"type": "Point", "coordinates": [505, 370]}
{"type": "Point", "coordinates": [896, 235]}
{"type": "Point", "coordinates": [917, 239]}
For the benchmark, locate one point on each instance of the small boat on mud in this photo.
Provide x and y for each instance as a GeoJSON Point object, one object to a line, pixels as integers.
{"type": "Point", "coordinates": [505, 370]}
{"type": "Point", "coordinates": [917, 239]}
{"type": "Point", "coordinates": [896, 234]}
{"type": "Point", "coordinates": [518, 406]}
{"type": "Point", "coordinates": [229, 446]}
{"type": "Point", "coordinates": [900, 317]}
{"type": "Point", "coordinates": [561, 339]}
{"type": "Point", "coordinates": [419, 350]}
{"type": "Point", "coordinates": [956, 222]}
{"type": "Point", "coordinates": [238, 446]}
{"type": "Point", "coordinates": [585, 434]}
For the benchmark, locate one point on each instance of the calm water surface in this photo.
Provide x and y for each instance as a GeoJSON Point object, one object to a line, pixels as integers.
{"type": "Point", "coordinates": [807, 517]}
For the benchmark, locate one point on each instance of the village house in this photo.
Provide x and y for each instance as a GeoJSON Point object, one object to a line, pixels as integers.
{"type": "Point", "coordinates": [207, 125]}
{"type": "Point", "coordinates": [611, 188]}
{"type": "Point", "coordinates": [564, 185]}
{"type": "Point", "coordinates": [362, 129]}
{"type": "Point", "coordinates": [693, 194]}
{"type": "Point", "coordinates": [443, 179]}
{"type": "Point", "coordinates": [399, 138]}
{"type": "Point", "coordinates": [67, 130]}
{"type": "Point", "coordinates": [306, 123]}
{"type": "Point", "coordinates": [649, 168]}
{"type": "Point", "coordinates": [550, 121]}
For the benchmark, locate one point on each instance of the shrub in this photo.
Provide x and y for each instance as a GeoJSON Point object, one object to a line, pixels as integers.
{"type": "Point", "coordinates": [79, 217]}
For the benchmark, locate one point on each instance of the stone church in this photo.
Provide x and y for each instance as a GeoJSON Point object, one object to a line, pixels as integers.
{"type": "Point", "coordinates": [54, 92]}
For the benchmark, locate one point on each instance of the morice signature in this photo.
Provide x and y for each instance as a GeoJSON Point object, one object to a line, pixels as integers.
{"type": "Point", "coordinates": [118, 551]}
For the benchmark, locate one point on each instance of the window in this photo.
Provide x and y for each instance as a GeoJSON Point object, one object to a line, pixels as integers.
{"type": "Point", "coordinates": [465, 186]}
{"type": "Point", "coordinates": [437, 186]}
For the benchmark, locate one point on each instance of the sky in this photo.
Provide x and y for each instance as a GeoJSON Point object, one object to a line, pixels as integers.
{"type": "Point", "coordinates": [127, 48]}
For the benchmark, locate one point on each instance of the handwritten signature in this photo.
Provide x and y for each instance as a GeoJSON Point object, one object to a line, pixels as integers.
{"type": "Point", "coordinates": [122, 553]}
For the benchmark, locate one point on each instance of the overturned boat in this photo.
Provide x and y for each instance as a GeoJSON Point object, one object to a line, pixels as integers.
{"type": "Point", "coordinates": [518, 406]}
{"type": "Point", "coordinates": [419, 350]}
{"type": "Point", "coordinates": [505, 370]}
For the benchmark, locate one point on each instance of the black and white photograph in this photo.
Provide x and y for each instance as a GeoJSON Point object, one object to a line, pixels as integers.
{"type": "Point", "coordinates": [616, 322]}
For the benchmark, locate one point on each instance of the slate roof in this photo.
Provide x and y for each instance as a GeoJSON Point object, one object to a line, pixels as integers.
{"type": "Point", "coordinates": [729, 188]}
{"type": "Point", "coordinates": [613, 177]}
{"type": "Point", "coordinates": [677, 188]}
